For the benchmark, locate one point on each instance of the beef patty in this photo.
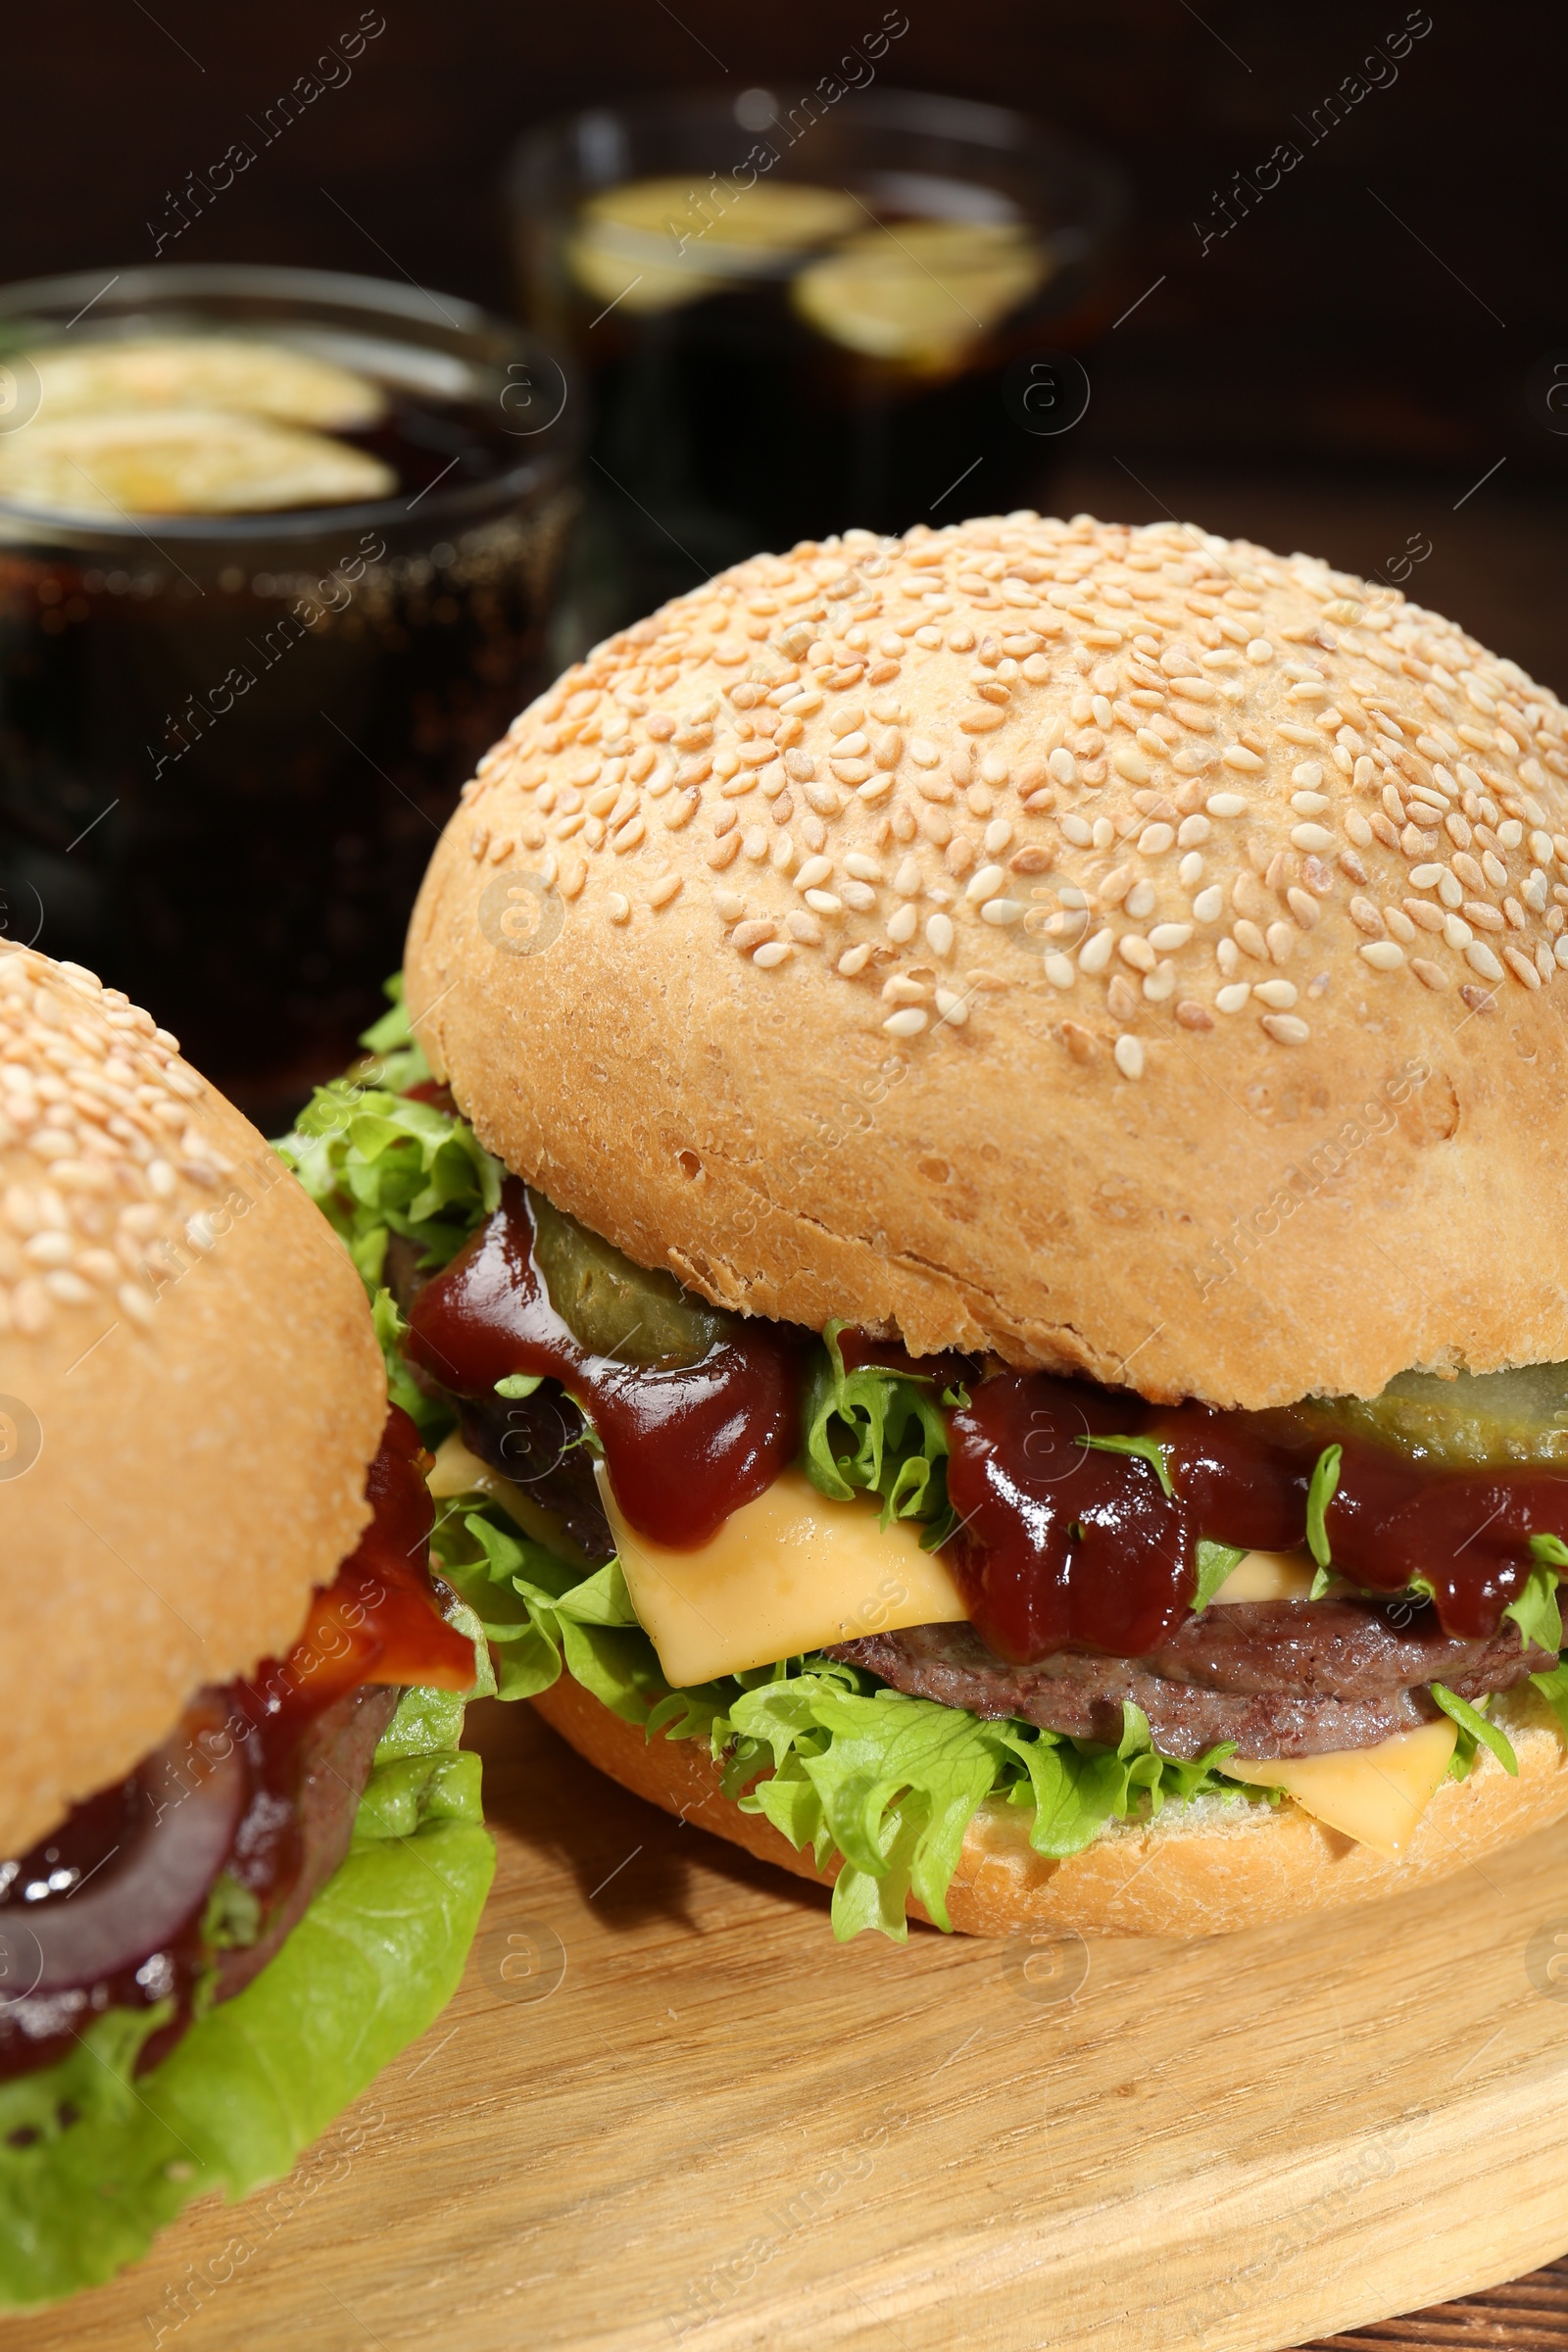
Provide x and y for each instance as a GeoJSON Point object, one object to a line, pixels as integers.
{"type": "Point", "coordinates": [1280, 1678]}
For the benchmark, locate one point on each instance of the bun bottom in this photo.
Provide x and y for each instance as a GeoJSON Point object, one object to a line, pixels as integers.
{"type": "Point", "coordinates": [1210, 1868]}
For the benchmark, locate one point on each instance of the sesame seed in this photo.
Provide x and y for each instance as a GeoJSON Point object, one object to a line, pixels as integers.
{"type": "Point", "coordinates": [813, 874]}
{"type": "Point", "coordinates": [1278, 995]}
{"type": "Point", "coordinates": [1061, 971]}
{"type": "Point", "coordinates": [1154, 840]}
{"type": "Point", "coordinates": [909, 1022]}
{"type": "Point", "coordinates": [1481, 960]}
{"type": "Point", "coordinates": [1286, 1028]}
{"type": "Point", "coordinates": [1233, 996]}
{"type": "Point", "coordinates": [1095, 953]}
{"type": "Point", "coordinates": [939, 934]}
{"type": "Point", "coordinates": [1128, 1054]}
{"type": "Point", "coordinates": [1311, 837]}
{"type": "Point", "coordinates": [772, 952]}
{"type": "Point", "coordinates": [1002, 911]}
{"type": "Point", "coordinates": [823, 902]}
{"type": "Point", "coordinates": [855, 959]}
{"type": "Point", "coordinates": [1225, 804]}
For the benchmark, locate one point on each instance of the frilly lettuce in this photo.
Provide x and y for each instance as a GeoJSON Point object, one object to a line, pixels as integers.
{"type": "Point", "coordinates": [872, 1431]}
{"type": "Point", "coordinates": [833, 1760]}
{"type": "Point", "coordinates": [94, 2160]}
{"type": "Point", "coordinates": [380, 1163]}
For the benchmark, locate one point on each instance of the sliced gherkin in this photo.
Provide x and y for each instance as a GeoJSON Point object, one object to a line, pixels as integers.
{"type": "Point", "coordinates": [613, 1307]}
{"type": "Point", "coordinates": [1486, 1420]}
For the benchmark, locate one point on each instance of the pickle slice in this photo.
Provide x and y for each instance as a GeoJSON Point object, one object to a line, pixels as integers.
{"type": "Point", "coordinates": [182, 461]}
{"type": "Point", "coordinates": [1487, 1420]}
{"type": "Point", "coordinates": [652, 244]}
{"type": "Point", "coordinates": [613, 1307]}
{"type": "Point", "coordinates": [205, 371]}
{"type": "Point", "coordinates": [921, 292]}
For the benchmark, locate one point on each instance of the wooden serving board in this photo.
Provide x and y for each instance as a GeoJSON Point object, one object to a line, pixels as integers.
{"type": "Point", "coordinates": [665, 2109]}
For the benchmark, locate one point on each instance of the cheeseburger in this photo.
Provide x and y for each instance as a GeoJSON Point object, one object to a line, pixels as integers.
{"type": "Point", "coordinates": [245, 1860]}
{"type": "Point", "coordinates": [977, 1223]}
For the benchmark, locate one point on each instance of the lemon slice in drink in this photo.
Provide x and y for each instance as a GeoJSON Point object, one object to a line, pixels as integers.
{"type": "Point", "coordinates": [653, 244]}
{"type": "Point", "coordinates": [205, 371]}
{"type": "Point", "coordinates": [182, 461]}
{"type": "Point", "coordinates": [922, 291]}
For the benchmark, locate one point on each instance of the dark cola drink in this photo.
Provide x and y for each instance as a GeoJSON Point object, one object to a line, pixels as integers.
{"type": "Point", "coordinates": [802, 310]}
{"type": "Point", "coordinates": [228, 740]}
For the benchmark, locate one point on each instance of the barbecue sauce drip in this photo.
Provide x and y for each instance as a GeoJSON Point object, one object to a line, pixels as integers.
{"type": "Point", "coordinates": [378, 1622]}
{"type": "Point", "coordinates": [685, 1446]}
{"type": "Point", "coordinates": [1060, 1545]}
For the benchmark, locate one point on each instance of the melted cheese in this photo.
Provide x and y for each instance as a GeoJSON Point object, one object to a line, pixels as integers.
{"type": "Point", "coordinates": [1268, 1576]}
{"type": "Point", "coordinates": [790, 1572]}
{"type": "Point", "coordinates": [793, 1572]}
{"type": "Point", "coordinates": [1373, 1794]}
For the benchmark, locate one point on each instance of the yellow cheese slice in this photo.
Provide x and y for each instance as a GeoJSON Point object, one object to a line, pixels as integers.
{"type": "Point", "coordinates": [458, 1471]}
{"type": "Point", "coordinates": [1268, 1576]}
{"type": "Point", "coordinates": [787, 1573]}
{"type": "Point", "coordinates": [1373, 1794]}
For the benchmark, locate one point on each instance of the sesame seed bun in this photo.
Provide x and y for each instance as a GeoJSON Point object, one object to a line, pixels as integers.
{"type": "Point", "coordinates": [190, 1392]}
{"type": "Point", "coordinates": [1211, 1868]}
{"type": "Point", "coordinates": [1130, 953]}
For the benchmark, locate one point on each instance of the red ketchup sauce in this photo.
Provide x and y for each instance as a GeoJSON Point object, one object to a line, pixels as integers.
{"type": "Point", "coordinates": [1059, 1545]}
{"type": "Point", "coordinates": [378, 1622]}
{"type": "Point", "coordinates": [684, 1446]}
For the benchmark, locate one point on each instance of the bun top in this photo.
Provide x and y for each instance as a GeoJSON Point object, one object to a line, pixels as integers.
{"type": "Point", "coordinates": [190, 1392]}
{"type": "Point", "coordinates": [1123, 949]}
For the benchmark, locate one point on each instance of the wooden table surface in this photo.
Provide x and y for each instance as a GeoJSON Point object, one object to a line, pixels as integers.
{"type": "Point", "coordinates": [666, 2110]}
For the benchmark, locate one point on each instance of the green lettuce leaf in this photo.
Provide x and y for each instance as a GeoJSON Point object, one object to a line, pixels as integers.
{"type": "Point", "coordinates": [1554, 1689]}
{"type": "Point", "coordinates": [1536, 1612]}
{"type": "Point", "coordinates": [1142, 1450]}
{"type": "Point", "coordinates": [94, 2161]}
{"type": "Point", "coordinates": [829, 1756]}
{"type": "Point", "coordinates": [1319, 1495]}
{"type": "Point", "coordinates": [1474, 1725]}
{"type": "Point", "coordinates": [871, 1432]}
{"type": "Point", "coordinates": [377, 1163]}
{"type": "Point", "coordinates": [1214, 1564]}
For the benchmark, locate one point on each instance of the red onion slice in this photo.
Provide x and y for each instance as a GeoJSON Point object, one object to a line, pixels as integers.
{"type": "Point", "coordinates": [136, 1903]}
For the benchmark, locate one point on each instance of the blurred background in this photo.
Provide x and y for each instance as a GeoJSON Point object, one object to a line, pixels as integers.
{"type": "Point", "coordinates": [1296, 275]}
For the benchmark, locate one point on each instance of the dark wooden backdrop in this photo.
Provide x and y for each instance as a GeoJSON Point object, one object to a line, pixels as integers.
{"type": "Point", "coordinates": [1336, 371]}
{"type": "Point", "coordinates": [1326, 365]}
